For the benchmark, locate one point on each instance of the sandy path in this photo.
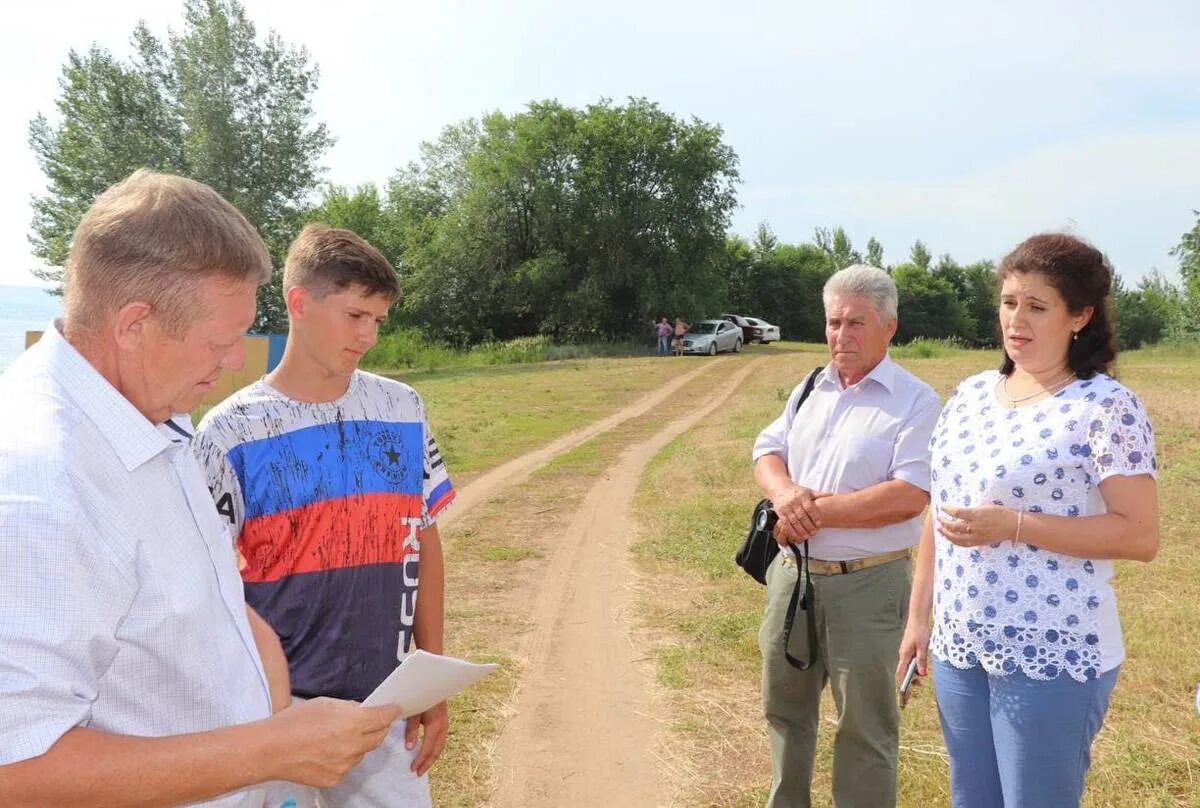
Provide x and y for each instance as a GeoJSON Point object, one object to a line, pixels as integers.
{"type": "Point", "coordinates": [487, 485]}
{"type": "Point", "coordinates": [587, 725]}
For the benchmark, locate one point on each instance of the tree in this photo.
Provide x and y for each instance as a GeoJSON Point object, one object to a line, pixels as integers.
{"type": "Point", "coordinates": [362, 212]}
{"type": "Point", "coordinates": [981, 300]}
{"type": "Point", "coordinates": [836, 244]}
{"type": "Point", "coordinates": [115, 119]}
{"type": "Point", "coordinates": [974, 286]}
{"type": "Point", "coordinates": [929, 306]}
{"type": "Point", "coordinates": [874, 253]}
{"type": "Point", "coordinates": [784, 288]}
{"type": "Point", "coordinates": [1146, 314]}
{"type": "Point", "coordinates": [1188, 252]}
{"type": "Point", "coordinates": [764, 240]}
{"type": "Point", "coordinates": [575, 223]}
{"type": "Point", "coordinates": [920, 257]}
{"type": "Point", "coordinates": [213, 103]}
{"type": "Point", "coordinates": [735, 264]}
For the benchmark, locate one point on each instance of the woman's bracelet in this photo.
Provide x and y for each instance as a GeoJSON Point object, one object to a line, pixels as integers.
{"type": "Point", "coordinates": [1017, 536]}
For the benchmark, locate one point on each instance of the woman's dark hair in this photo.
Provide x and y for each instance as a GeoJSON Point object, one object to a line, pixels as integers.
{"type": "Point", "coordinates": [1083, 277]}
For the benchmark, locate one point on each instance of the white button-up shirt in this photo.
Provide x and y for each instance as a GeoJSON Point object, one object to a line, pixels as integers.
{"type": "Point", "coordinates": [845, 439]}
{"type": "Point", "coordinates": [121, 607]}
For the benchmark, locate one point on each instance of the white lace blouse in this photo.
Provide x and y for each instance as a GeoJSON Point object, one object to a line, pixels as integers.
{"type": "Point", "coordinates": [1011, 608]}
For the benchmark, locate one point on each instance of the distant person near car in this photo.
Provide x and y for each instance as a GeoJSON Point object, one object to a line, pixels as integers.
{"type": "Point", "coordinates": [681, 328]}
{"type": "Point", "coordinates": [664, 336]}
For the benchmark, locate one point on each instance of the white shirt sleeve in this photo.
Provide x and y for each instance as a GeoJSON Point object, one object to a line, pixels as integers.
{"type": "Point", "coordinates": [437, 492]}
{"type": "Point", "coordinates": [1120, 437]}
{"type": "Point", "coordinates": [62, 597]}
{"type": "Point", "coordinates": [910, 455]}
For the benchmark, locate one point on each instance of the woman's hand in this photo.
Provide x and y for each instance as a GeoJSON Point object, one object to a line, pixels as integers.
{"type": "Point", "coordinates": [971, 527]}
{"type": "Point", "coordinates": [915, 643]}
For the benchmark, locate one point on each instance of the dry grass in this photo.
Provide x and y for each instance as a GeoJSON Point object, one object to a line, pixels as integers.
{"type": "Point", "coordinates": [493, 563]}
{"type": "Point", "coordinates": [705, 612]}
{"type": "Point", "coordinates": [701, 613]}
{"type": "Point", "coordinates": [484, 416]}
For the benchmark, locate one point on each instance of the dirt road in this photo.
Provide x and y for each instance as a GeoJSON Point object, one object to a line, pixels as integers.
{"type": "Point", "coordinates": [587, 725]}
{"type": "Point", "coordinates": [508, 474]}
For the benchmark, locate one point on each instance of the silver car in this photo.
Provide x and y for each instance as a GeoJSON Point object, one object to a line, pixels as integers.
{"type": "Point", "coordinates": [711, 337]}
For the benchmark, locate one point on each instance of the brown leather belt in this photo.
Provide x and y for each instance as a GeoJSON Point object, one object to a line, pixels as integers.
{"type": "Point", "coordinates": [818, 567]}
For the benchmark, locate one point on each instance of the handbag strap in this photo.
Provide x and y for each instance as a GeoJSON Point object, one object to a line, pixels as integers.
{"type": "Point", "coordinates": [802, 579]}
{"type": "Point", "coordinates": [805, 583]}
{"type": "Point", "coordinates": [808, 388]}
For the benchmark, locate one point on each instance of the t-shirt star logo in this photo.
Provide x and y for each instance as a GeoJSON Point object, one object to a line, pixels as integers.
{"type": "Point", "coordinates": [388, 458]}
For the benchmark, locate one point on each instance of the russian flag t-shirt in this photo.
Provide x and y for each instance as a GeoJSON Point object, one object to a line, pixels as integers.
{"type": "Point", "coordinates": [325, 502]}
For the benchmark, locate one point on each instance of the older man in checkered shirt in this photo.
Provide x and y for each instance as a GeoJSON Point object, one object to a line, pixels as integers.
{"type": "Point", "coordinates": [131, 671]}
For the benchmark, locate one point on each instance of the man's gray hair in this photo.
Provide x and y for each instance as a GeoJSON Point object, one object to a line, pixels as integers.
{"type": "Point", "coordinates": [861, 280]}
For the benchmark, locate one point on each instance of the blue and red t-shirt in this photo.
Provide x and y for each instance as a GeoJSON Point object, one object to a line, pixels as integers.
{"type": "Point", "coordinates": [325, 502]}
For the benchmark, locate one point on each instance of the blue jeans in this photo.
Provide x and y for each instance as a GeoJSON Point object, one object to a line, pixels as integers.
{"type": "Point", "coordinates": [663, 345]}
{"type": "Point", "coordinates": [1015, 742]}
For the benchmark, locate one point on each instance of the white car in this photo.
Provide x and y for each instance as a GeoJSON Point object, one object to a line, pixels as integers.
{"type": "Point", "coordinates": [763, 331]}
{"type": "Point", "coordinates": [753, 328]}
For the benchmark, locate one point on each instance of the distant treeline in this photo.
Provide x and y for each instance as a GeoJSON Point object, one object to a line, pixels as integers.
{"type": "Point", "coordinates": [570, 224]}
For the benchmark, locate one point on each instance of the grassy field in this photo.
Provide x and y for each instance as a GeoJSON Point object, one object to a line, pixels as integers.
{"type": "Point", "coordinates": [701, 625]}
{"type": "Point", "coordinates": [483, 416]}
{"type": "Point", "coordinates": [495, 554]}
{"type": "Point", "coordinates": [1148, 753]}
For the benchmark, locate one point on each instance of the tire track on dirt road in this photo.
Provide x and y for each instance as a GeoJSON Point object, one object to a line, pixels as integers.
{"type": "Point", "coordinates": [514, 471]}
{"type": "Point", "coordinates": [587, 726]}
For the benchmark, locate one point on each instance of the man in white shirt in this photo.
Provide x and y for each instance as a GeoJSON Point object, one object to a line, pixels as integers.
{"type": "Point", "coordinates": [849, 477]}
{"type": "Point", "coordinates": [131, 671]}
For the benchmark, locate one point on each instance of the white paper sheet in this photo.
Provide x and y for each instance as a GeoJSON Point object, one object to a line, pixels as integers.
{"type": "Point", "coordinates": [424, 679]}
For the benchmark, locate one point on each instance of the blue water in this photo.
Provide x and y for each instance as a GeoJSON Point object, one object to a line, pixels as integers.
{"type": "Point", "coordinates": [23, 308]}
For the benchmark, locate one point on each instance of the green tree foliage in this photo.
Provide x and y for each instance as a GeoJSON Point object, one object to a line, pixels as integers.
{"type": "Point", "coordinates": [874, 253]}
{"type": "Point", "coordinates": [764, 239]}
{"type": "Point", "coordinates": [919, 256]}
{"type": "Point", "coordinates": [929, 306]}
{"type": "Point", "coordinates": [735, 264]}
{"type": "Point", "coordinates": [784, 288]}
{"type": "Point", "coordinates": [575, 223]}
{"type": "Point", "coordinates": [363, 212]}
{"type": "Point", "coordinates": [837, 247]}
{"type": "Point", "coordinates": [214, 102]}
{"type": "Point", "coordinates": [1188, 252]}
{"type": "Point", "coordinates": [1148, 313]}
{"type": "Point", "coordinates": [974, 286]}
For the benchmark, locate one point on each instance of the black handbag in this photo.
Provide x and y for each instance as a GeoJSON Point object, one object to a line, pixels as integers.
{"type": "Point", "coordinates": [761, 541]}
{"type": "Point", "coordinates": [759, 548]}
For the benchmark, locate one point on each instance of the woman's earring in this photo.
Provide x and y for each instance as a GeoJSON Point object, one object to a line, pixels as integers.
{"type": "Point", "coordinates": [1074, 336]}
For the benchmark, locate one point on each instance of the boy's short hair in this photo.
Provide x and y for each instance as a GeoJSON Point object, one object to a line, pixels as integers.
{"type": "Point", "coordinates": [325, 260]}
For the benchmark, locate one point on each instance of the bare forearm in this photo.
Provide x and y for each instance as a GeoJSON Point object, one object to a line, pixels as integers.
{"type": "Point", "coordinates": [771, 474]}
{"type": "Point", "coordinates": [429, 621]}
{"type": "Point", "coordinates": [1104, 536]}
{"type": "Point", "coordinates": [97, 769]}
{"type": "Point", "coordinates": [274, 662]}
{"type": "Point", "coordinates": [886, 503]}
{"type": "Point", "coordinates": [920, 601]}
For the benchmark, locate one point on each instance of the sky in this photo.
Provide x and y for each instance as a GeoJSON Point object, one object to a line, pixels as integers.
{"type": "Point", "coordinates": [967, 125]}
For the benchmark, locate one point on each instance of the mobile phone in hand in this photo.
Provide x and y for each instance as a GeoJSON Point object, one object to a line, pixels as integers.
{"type": "Point", "coordinates": [906, 684]}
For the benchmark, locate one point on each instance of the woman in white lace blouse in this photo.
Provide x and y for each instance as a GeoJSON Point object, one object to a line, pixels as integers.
{"type": "Point", "coordinates": [1043, 473]}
